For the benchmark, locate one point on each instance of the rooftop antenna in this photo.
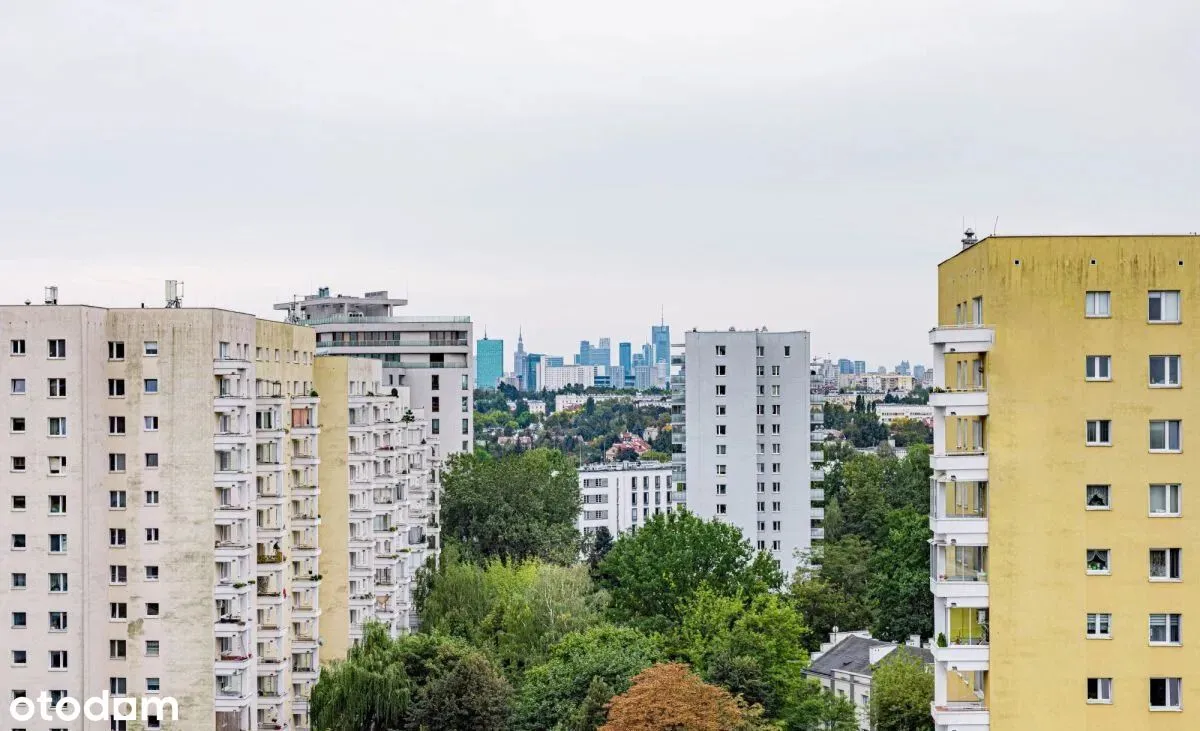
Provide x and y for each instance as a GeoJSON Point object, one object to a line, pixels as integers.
{"type": "Point", "coordinates": [969, 239]}
{"type": "Point", "coordinates": [995, 225]}
{"type": "Point", "coordinates": [51, 295]}
{"type": "Point", "coordinates": [292, 312]}
{"type": "Point", "coordinates": [174, 292]}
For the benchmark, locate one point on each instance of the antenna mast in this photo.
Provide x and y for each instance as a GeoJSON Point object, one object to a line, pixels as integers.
{"type": "Point", "coordinates": [174, 294]}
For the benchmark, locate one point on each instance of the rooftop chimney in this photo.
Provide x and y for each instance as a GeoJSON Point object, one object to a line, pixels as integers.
{"type": "Point", "coordinates": [969, 239]}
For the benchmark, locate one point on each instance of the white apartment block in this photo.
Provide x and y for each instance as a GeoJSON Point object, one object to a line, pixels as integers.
{"type": "Point", "coordinates": [888, 413]}
{"type": "Point", "coordinates": [742, 421]}
{"type": "Point", "coordinates": [555, 378]}
{"type": "Point", "coordinates": [433, 356]}
{"type": "Point", "coordinates": [159, 492]}
{"type": "Point", "coordinates": [624, 495]}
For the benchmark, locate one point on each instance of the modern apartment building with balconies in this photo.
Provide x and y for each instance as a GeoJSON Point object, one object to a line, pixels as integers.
{"type": "Point", "coordinates": [430, 355]}
{"type": "Point", "coordinates": [1058, 475]}
{"type": "Point", "coordinates": [742, 428]}
{"type": "Point", "coordinates": [379, 503]}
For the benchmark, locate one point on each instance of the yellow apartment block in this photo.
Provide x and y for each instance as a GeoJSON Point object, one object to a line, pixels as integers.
{"type": "Point", "coordinates": [1057, 563]}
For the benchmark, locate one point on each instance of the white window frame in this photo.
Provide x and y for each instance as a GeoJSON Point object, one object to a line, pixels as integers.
{"type": "Point", "coordinates": [1098, 304]}
{"type": "Point", "coordinates": [1103, 693]}
{"type": "Point", "coordinates": [1096, 621]}
{"type": "Point", "coordinates": [1173, 691]}
{"type": "Point", "coordinates": [1106, 490]}
{"type": "Point", "coordinates": [1100, 425]}
{"type": "Point", "coordinates": [1172, 560]}
{"type": "Point", "coordinates": [1165, 297]}
{"type": "Point", "coordinates": [1172, 367]}
{"type": "Point", "coordinates": [1165, 620]}
{"type": "Point", "coordinates": [1167, 426]}
{"type": "Point", "coordinates": [1169, 489]}
{"type": "Point", "coordinates": [1107, 570]}
{"type": "Point", "coordinates": [1097, 368]}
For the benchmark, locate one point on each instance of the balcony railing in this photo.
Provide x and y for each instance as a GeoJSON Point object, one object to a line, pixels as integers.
{"type": "Point", "coordinates": [391, 343]}
{"type": "Point", "coordinates": [331, 319]}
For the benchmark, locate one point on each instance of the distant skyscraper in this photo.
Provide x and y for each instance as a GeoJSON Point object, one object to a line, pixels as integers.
{"type": "Point", "coordinates": [585, 353]}
{"type": "Point", "coordinates": [660, 335]}
{"type": "Point", "coordinates": [845, 366]}
{"type": "Point", "coordinates": [918, 372]}
{"type": "Point", "coordinates": [648, 354]}
{"type": "Point", "coordinates": [533, 363]}
{"type": "Point", "coordinates": [554, 361]}
{"type": "Point", "coordinates": [602, 354]}
{"type": "Point", "coordinates": [860, 368]}
{"type": "Point", "coordinates": [903, 368]}
{"type": "Point", "coordinates": [519, 358]}
{"type": "Point", "coordinates": [626, 357]}
{"type": "Point", "coordinates": [489, 362]}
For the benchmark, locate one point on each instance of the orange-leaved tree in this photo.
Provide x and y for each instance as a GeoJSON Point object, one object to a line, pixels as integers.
{"type": "Point", "coordinates": [670, 697]}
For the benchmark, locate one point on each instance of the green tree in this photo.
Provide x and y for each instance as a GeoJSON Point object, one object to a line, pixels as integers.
{"type": "Point", "coordinates": [515, 507]}
{"type": "Point", "coordinates": [901, 692]}
{"type": "Point", "coordinates": [409, 683]}
{"type": "Point", "coordinates": [562, 693]}
{"type": "Point", "coordinates": [825, 606]}
{"type": "Point", "coordinates": [835, 713]}
{"type": "Point", "coordinates": [670, 696]}
{"type": "Point", "coordinates": [906, 482]}
{"type": "Point", "coordinates": [907, 432]}
{"type": "Point", "coordinates": [652, 572]}
{"type": "Point", "coordinates": [899, 584]}
{"type": "Point", "coordinates": [864, 503]}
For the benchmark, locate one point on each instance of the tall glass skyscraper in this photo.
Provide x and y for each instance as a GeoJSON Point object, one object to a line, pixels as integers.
{"type": "Point", "coordinates": [489, 362]}
{"type": "Point", "coordinates": [660, 336]}
{"type": "Point", "coordinates": [626, 357]}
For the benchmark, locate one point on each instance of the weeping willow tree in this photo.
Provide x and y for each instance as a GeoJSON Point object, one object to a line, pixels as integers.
{"type": "Point", "coordinates": [413, 683]}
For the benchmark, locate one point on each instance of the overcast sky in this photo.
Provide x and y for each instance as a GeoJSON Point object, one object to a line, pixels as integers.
{"type": "Point", "coordinates": [572, 167]}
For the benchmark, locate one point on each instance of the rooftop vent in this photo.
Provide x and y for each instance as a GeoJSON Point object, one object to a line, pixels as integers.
{"type": "Point", "coordinates": [51, 295]}
{"type": "Point", "coordinates": [969, 239]}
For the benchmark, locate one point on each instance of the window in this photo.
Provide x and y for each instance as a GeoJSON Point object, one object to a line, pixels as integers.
{"type": "Point", "coordinates": [1164, 306]}
{"type": "Point", "coordinates": [18, 464]}
{"type": "Point", "coordinates": [776, 487]}
{"type": "Point", "coordinates": [118, 574]}
{"type": "Point", "coordinates": [18, 347]}
{"type": "Point", "coordinates": [433, 382]}
{"type": "Point", "coordinates": [776, 448]}
{"type": "Point", "coordinates": [58, 583]}
{"type": "Point", "coordinates": [57, 426]}
{"type": "Point", "coordinates": [776, 428]}
{"type": "Point", "coordinates": [116, 426]}
{"type": "Point", "coordinates": [435, 426]}
{"type": "Point", "coordinates": [116, 462]}
{"type": "Point", "coordinates": [1098, 625]}
{"type": "Point", "coordinates": [17, 425]}
{"type": "Point", "coordinates": [1099, 433]}
{"type": "Point", "coordinates": [762, 389]}
{"type": "Point", "coordinates": [56, 387]}
{"type": "Point", "coordinates": [762, 487]}
{"type": "Point", "coordinates": [116, 649]}
{"type": "Point", "coordinates": [762, 468]}
{"type": "Point", "coordinates": [1096, 304]}
{"type": "Point", "coordinates": [720, 389]}
{"type": "Point", "coordinates": [776, 409]}
{"type": "Point", "coordinates": [774, 370]}
{"type": "Point", "coordinates": [720, 350]}
{"type": "Point", "coordinates": [1164, 435]}
{"type": "Point", "coordinates": [1165, 564]}
{"type": "Point", "coordinates": [118, 611]}
{"type": "Point", "coordinates": [57, 348]}
{"type": "Point", "coordinates": [18, 541]}
{"type": "Point", "coordinates": [1097, 561]}
{"type": "Point", "coordinates": [775, 545]}
{"type": "Point", "coordinates": [1099, 690]}
{"type": "Point", "coordinates": [116, 686]}
{"type": "Point", "coordinates": [776, 525]}
{"type": "Point", "coordinates": [787, 351]}
{"type": "Point", "coordinates": [18, 386]}
{"type": "Point", "coordinates": [58, 504]}
{"type": "Point", "coordinates": [58, 621]}
{"type": "Point", "coordinates": [150, 423]}
{"type": "Point", "coordinates": [116, 537]}
{"type": "Point", "coordinates": [151, 573]}
{"type": "Point", "coordinates": [720, 370]}
{"type": "Point", "coordinates": [761, 428]}
{"type": "Point", "coordinates": [465, 408]}
{"type": "Point", "coordinates": [776, 506]}
{"type": "Point", "coordinates": [1166, 629]}
{"type": "Point", "coordinates": [761, 410]}
{"type": "Point", "coordinates": [18, 581]}
{"type": "Point", "coordinates": [760, 370]}
{"type": "Point", "coordinates": [466, 426]}
{"type": "Point", "coordinates": [150, 349]}
{"type": "Point", "coordinates": [153, 685]}
{"type": "Point", "coordinates": [977, 310]}
{"type": "Point", "coordinates": [58, 465]}
{"type": "Point", "coordinates": [18, 502]}
{"type": "Point", "coordinates": [152, 535]}
{"type": "Point", "coordinates": [775, 389]}
{"type": "Point", "coordinates": [58, 543]}
{"type": "Point", "coordinates": [1098, 497]}
{"type": "Point", "coordinates": [720, 469]}
{"type": "Point", "coordinates": [1099, 368]}
{"type": "Point", "coordinates": [435, 404]}
{"type": "Point", "coordinates": [151, 385]}
{"type": "Point", "coordinates": [152, 497]}
{"type": "Point", "coordinates": [775, 468]}
{"type": "Point", "coordinates": [720, 409]}
{"type": "Point", "coordinates": [762, 506]}
{"type": "Point", "coordinates": [720, 508]}
{"type": "Point", "coordinates": [19, 620]}
{"type": "Point", "coordinates": [116, 350]}
{"type": "Point", "coordinates": [151, 460]}
{"type": "Point", "coordinates": [720, 449]}
{"type": "Point", "coordinates": [116, 387]}
{"type": "Point", "coordinates": [1165, 501]}
{"type": "Point", "coordinates": [720, 430]}
{"type": "Point", "coordinates": [151, 648]}
{"type": "Point", "coordinates": [58, 659]}
{"type": "Point", "coordinates": [1164, 371]}
{"type": "Point", "coordinates": [1165, 694]}
{"type": "Point", "coordinates": [720, 489]}
{"type": "Point", "coordinates": [464, 383]}
{"type": "Point", "coordinates": [152, 609]}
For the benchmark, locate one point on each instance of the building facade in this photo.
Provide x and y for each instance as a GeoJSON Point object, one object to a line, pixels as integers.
{"type": "Point", "coordinates": [489, 362]}
{"type": "Point", "coordinates": [845, 666]}
{"type": "Point", "coordinates": [660, 341]}
{"type": "Point", "coordinates": [430, 355]}
{"type": "Point", "coordinates": [742, 421]}
{"type": "Point", "coordinates": [623, 495]}
{"type": "Point", "coordinates": [888, 413]}
{"type": "Point", "coordinates": [557, 378]}
{"type": "Point", "coordinates": [1059, 468]}
{"type": "Point", "coordinates": [160, 515]}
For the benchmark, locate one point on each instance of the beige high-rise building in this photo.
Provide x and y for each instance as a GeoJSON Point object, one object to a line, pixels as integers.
{"type": "Point", "coordinates": [160, 512]}
{"type": "Point", "coordinates": [379, 502]}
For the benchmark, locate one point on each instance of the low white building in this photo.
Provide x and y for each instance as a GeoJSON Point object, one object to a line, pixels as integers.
{"type": "Point", "coordinates": [559, 377]}
{"type": "Point", "coordinates": [536, 407]}
{"type": "Point", "coordinates": [623, 495]}
{"type": "Point", "coordinates": [846, 663]}
{"type": "Point", "coordinates": [888, 413]}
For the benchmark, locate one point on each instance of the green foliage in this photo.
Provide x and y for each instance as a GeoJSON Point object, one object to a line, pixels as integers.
{"type": "Point", "coordinates": [835, 713]}
{"type": "Point", "coordinates": [825, 606]}
{"type": "Point", "coordinates": [860, 426]}
{"type": "Point", "coordinates": [907, 432]}
{"type": "Point", "coordinates": [584, 670]}
{"type": "Point", "coordinates": [900, 578]}
{"type": "Point", "coordinates": [513, 611]}
{"type": "Point", "coordinates": [901, 691]}
{"type": "Point", "coordinates": [652, 572]}
{"type": "Point", "coordinates": [515, 507]}
{"type": "Point", "coordinates": [655, 456]}
{"type": "Point", "coordinates": [414, 682]}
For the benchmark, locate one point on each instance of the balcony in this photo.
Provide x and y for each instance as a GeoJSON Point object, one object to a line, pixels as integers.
{"type": "Point", "coordinates": [967, 338]}
{"type": "Point", "coordinates": [958, 512]}
{"type": "Point", "coordinates": [817, 513]}
{"type": "Point", "coordinates": [817, 436]}
{"type": "Point", "coordinates": [228, 403]}
{"type": "Point", "coordinates": [816, 495]}
{"type": "Point", "coordinates": [965, 465]}
{"type": "Point", "coordinates": [818, 533]}
{"type": "Point", "coordinates": [229, 366]}
{"type": "Point", "coordinates": [960, 572]}
{"type": "Point", "coordinates": [816, 456]}
{"type": "Point", "coordinates": [817, 476]}
{"type": "Point", "coordinates": [305, 400]}
{"type": "Point", "coordinates": [304, 459]}
{"type": "Point", "coordinates": [961, 402]}
{"type": "Point", "coordinates": [304, 490]}
{"type": "Point", "coordinates": [816, 417]}
{"type": "Point", "coordinates": [231, 663]}
{"type": "Point", "coordinates": [961, 716]}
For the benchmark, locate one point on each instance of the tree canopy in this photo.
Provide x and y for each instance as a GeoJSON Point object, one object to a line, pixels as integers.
{"type": "Point", "coordinates": [901, 693]}
{"type": "Point", "coordinates": [671, 696]}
